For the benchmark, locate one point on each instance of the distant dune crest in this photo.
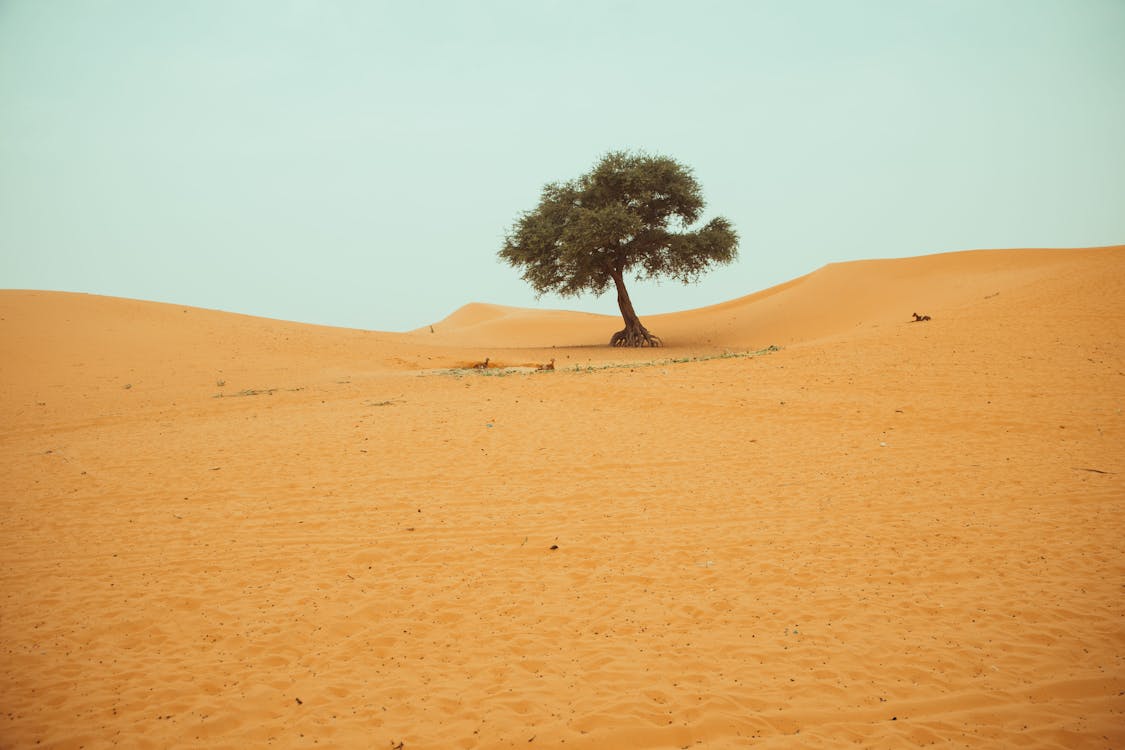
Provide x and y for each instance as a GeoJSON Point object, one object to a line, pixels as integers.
{"type": "Point", "coordinates": [827, 302]}
{"type": "Point", "coordinates": [837, 299]}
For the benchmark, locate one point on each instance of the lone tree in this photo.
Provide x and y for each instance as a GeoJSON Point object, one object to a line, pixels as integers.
{"type": "Point", "coordinates": [591, 231]}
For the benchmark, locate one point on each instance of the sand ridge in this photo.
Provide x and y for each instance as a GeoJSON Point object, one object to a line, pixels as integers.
{"type": "Point", "coordinates": [886, 533]}
{"type": "Point", "coordinates": [836, 299]}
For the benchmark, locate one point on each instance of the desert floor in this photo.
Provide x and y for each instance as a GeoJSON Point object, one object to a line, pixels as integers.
{"type": "Point", "coordinates": [805, 522]}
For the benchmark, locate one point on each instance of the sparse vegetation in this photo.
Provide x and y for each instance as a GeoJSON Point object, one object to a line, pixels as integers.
{"type": "Point", "coordinates": [676, 361]}
{"type": "Point", "coordinates": [256, 392]}
{"type": "Point", "coordinates": [505, 371]}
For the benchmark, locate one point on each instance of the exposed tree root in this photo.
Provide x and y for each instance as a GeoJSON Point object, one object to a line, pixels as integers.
{"type": "Point", "coordinates": [635, 335]}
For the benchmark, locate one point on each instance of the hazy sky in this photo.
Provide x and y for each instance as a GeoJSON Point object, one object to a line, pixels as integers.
{"type": "Point", "coordinates": [358, 163]}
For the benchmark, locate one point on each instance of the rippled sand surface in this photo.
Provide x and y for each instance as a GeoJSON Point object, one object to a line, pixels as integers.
{"type": "Point", "coordinates": [807, 522]}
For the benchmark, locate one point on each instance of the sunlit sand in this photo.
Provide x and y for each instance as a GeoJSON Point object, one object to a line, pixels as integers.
{"type": "Point", "coordinates": [809, 520]}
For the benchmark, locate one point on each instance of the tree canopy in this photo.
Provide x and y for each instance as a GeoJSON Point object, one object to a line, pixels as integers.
{"type": "Point", "coordinates": [631, 213]}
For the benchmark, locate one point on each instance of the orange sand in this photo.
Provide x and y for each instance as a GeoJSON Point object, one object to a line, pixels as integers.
{"type": "Point", "coordinates": [222, 531]}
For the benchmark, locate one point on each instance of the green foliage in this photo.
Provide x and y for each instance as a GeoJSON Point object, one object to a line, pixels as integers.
{"type": "Point", "coordinates": [631, 213]}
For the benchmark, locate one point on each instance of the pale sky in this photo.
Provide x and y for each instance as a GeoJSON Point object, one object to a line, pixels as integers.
{"type": "Point", "coordinates": [358, 163]}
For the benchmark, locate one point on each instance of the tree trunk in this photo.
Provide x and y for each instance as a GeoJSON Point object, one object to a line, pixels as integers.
{"type": "Point", "coordinates": [633, 334]}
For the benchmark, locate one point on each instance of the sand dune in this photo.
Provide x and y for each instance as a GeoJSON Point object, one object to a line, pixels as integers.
{"type": "Point", "coordinates": [223, 531]}
{"type": "Point", "coordinates": [834, 300]}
